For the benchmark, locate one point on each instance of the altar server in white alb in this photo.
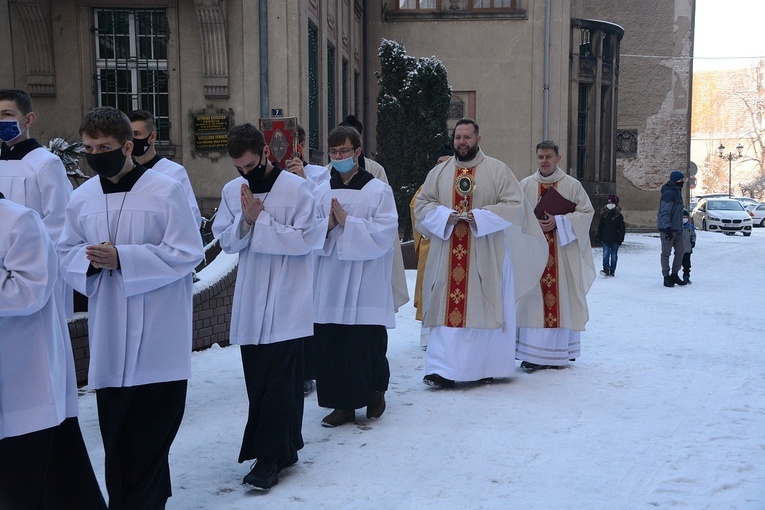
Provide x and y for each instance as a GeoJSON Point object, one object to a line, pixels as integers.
{"type": "Point", "coordinates": [42, 454]}
{"type": "Point", "coordinates": [30, 174]}
{"type": "Point", "coordinates": [130, 244]}
{"type": "Point", "coordinates": [398, 276]}
{"type": "Point", "coordinates": [352, 286]}
{"type": "Point", "coordinates": [145, 154]}
{"type": "Point", "coordinates": [267, 216]}
{"type": "Point", "coordinates": [552, 317]}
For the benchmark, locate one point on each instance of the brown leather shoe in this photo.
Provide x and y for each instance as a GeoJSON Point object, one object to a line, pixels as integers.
{"type": "Point", "coordinates": [376, 407]}
{"type": "Point", "coordinates": [338, 417]}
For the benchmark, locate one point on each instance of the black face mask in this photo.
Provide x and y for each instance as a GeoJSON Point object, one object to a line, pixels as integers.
{"type": "Point", "coordinates": [255, 175]}
{"type": "Point", "coordinates": [107, 164]}
{"type": "Point", "coordinates": [140, 146]}
{"type": "Point", "coordinates": [680, 184]}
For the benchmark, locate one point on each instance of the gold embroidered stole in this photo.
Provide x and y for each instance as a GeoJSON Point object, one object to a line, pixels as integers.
{"type": "Point", "coordinates": [549, 280]}
{"type": "Point", "coordinates": [459, 250]}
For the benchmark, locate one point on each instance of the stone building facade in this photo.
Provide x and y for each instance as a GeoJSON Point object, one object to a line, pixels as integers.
{"type": "Point", "coordinates": [202, 65]}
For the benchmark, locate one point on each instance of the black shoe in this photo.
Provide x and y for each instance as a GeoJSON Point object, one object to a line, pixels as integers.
{"type": "Point", "coordinates": [263, 475]}
{"type": "Point", "coordinates": [308, 387]}
{"type": "Point", "coordinates": [338, 417]}
{"type": "Point", "coordinates": [668, 282]}
{"type": "Point", "coordinates": [604, 272]}
{"type": "Point", "coordinates": [437, 381]}
{"type": "Point", "coordinates": [376, 407]}
{"type": "Point", "coordinates": [289, 461]}
{"type": "Point", "coordinates": [687, 280]}
{"type": "Point", "coordinates": [676, 279]}
{"type": "Point", "coordinates": [611, 272]}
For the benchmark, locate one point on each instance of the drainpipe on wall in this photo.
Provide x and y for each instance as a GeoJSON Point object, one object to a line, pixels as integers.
{"type": "Point", "coordinates": [365, 78]}
{"type": "Point", "coordinates": [263, 42]}
{"type": "Point", "coordinates": [546, 92]}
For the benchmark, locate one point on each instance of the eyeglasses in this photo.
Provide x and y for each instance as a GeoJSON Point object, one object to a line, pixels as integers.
{"type": "Point", "coordinates": [345, 152]}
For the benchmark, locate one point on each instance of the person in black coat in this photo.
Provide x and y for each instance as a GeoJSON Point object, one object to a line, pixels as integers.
{"type": "Point", "coordinates": [610, 233]}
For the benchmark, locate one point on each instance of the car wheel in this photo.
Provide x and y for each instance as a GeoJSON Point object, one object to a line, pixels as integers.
{"type": "Point", "coordinates": [762, 223]}
{"type": "Point", "coordinates": [747, 234]}
{"type": "Point", "coordinates": [729, 233]}
{"type": "Point", "coordinates": [704, 225]}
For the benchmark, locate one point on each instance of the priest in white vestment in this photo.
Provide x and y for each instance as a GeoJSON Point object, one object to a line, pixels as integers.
{"type": "Point", "coordinates": [552, 317]}
{"type": "Point", "coordinates": [485, 252]}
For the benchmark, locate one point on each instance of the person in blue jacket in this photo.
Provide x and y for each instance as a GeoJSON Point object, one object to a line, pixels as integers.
{"type": "Point", "coordinates": [670, 224]}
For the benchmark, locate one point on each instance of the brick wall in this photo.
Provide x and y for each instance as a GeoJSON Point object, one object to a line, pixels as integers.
{"type": "Point", "coordinates": [212, 319]}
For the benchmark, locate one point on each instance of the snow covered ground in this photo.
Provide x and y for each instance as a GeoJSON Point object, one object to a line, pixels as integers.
{"type": "Point", "coordinates": [664, 408]}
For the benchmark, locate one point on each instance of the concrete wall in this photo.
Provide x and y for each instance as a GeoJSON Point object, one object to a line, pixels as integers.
{"type": "Point", "coordinates": [654, 96]}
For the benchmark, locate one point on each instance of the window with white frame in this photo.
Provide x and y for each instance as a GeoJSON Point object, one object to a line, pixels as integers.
{"type": "Point", "coordinates": [419, 5]}
{"type": "Point", "coordinates": [131, 62]}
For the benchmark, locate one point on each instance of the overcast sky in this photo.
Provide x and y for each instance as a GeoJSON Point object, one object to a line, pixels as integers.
{"type": "Point", "coordinates": [727, 30]}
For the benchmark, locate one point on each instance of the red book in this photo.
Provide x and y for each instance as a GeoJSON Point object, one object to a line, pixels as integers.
{"type": "Point", "coordinates": [282, 137]}
{"type": "Point", "coordinates": [552, 202]}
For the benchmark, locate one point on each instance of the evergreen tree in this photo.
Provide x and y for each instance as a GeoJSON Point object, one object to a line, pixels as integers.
{"type": "Point", "coordinates": [412, 109]}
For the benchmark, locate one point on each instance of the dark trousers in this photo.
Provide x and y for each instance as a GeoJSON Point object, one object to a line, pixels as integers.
{"type": "Point", "coordinates": [48, 470]}
{"type": "Point", "coordinates": [687, 264]}
{"type": "Point", "coordinates": [351, 364]}
{"type": "Point", "coordinates": [138, 426]}
{"type": "Point", "coordinates": [273, 375]}
{"type": "Point", "coordinates": [676, 243]}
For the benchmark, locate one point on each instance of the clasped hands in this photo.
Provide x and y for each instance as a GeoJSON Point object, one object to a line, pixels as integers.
{"type": "Point", "coordinates": [337, 214]}
{"type": "Point", "coordinates": [251, 206]}
{"type": "Point", "coordinates": [455, 217]}
{"type": "Point", "coordinates": [103, 256]}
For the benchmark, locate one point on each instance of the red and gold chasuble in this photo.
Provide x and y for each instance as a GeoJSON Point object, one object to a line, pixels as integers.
{"type": "Point", "coordinates": [459, 249]}
{"type": "Point", "coordinates": [549, 280]}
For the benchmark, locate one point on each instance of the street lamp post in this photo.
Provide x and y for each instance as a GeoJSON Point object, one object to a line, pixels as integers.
{"type": "Point", "coordinates": [730, 157]}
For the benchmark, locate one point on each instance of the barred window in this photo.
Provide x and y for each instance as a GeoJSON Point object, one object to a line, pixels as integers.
{"type": "Point", "coordinates": [493, 4]}
{"type": "Point", "coordinates": [131, 63]}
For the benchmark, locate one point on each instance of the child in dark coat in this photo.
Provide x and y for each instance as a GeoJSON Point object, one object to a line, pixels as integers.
{"type": "Point", "coordinates": [610, 233]}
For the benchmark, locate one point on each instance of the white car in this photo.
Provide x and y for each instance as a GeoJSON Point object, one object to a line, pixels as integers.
{"type": "Point", "coordinates": [757, 212]}
{"type": "Point", "coordinates": [722, 215]}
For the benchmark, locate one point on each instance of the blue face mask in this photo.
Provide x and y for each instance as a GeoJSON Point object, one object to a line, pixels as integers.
{"type": "Point", "coordinates": [9, 130]}
{"type": "Point", "coordinates": [343, 165]}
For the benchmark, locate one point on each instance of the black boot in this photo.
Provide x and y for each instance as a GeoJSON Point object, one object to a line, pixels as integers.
{"type": "Point", "coordinates": [668, 281]}
{"type": "Point", "coordinates": [687, 279]}
{"type": "Point", "coordinates": [676, 279]}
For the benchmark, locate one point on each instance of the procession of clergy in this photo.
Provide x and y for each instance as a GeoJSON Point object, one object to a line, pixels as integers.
{"type": "Point", "coordinates": [499, 281]}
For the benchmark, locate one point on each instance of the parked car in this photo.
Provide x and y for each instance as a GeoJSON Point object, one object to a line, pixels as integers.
{"type": "Point", "coordinates": [757, 212]}
{"type": "Point", "coordinates": [746, 201]}
{"type": "Point", "coordinates": [722, 215]}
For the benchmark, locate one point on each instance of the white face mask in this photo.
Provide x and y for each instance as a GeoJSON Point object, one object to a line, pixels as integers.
{"type": "Point", "coordinates": [685, 220]}
{"type": "Point", "coordinates": [610, 206]}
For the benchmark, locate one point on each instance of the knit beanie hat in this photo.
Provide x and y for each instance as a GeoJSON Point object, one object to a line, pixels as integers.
{"type": "Point", "coordinates": [612, 199]}
{"type": "Point", "coordinates": [676, 175]}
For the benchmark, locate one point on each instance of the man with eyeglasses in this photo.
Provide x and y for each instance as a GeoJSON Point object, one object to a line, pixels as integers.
{"type": "Point", "coordinates": [353, 296]}
{"type": "Point", "coordinates": [400, 290]}
{"type": "Point", "coordinates": [486, 250]}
